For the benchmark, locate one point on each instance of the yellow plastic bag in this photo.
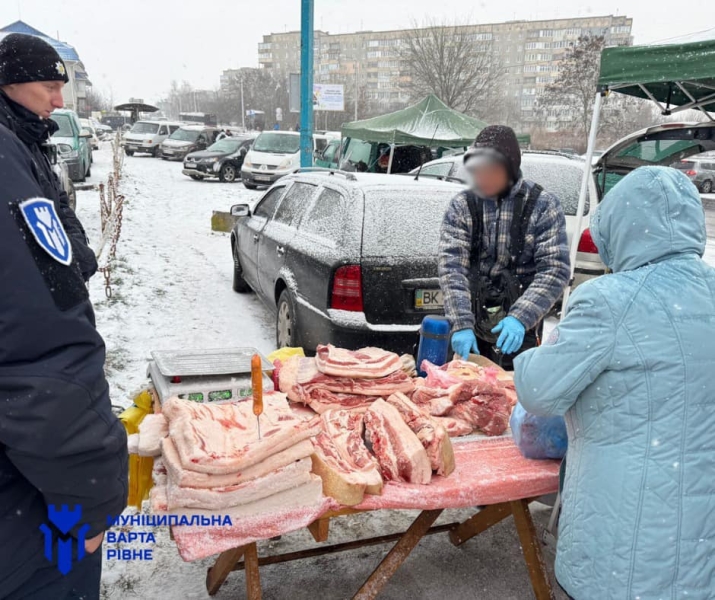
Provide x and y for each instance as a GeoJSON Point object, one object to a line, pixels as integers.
{"type": "Point", "coordinates": [140, 467]}
{"type": "Point", "coordinates": [283, 353]}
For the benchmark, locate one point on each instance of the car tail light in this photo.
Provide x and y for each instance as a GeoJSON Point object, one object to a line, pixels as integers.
{"type": "Point", "coordinates": [691, 173]}
{"type": "Point", "coordinates": [347, 289]}
{"type": "Point", "coordinates": [586, 244]}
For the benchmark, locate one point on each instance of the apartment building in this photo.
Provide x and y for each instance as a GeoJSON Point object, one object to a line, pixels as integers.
{"type": "Point", "coordinates": [369, 61]}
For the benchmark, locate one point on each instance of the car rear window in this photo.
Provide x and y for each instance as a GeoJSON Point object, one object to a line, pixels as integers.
{"type": "Point", "coordinates": [561, 177]}
{"type": "Point", "coordinates": [404, 222]}
{"type": "Point", "coordinates": [294, 203]}
{"type": "Point", "coordinates": [684, 165]}
{"type": "Point", "coordinates": [327, 215]}
{"type": "Point", "coordinates": [65, 124]}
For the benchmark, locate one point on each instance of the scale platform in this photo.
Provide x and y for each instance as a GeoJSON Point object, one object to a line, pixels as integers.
{"type": "Point", "coordinates": [206, 375]}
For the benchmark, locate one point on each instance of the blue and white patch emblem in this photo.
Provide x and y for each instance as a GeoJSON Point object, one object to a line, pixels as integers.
{"type": "Point", "coordinates": [41, 217]}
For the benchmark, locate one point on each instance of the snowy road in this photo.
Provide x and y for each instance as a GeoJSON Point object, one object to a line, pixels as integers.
{"type": "Point", "coordinates": [172, 289]}
{"type": "Point", "coordinates": [172, 283]}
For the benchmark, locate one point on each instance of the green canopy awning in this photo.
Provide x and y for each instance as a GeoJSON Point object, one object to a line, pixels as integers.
{"type": "Point", "coordinates": [430, 122]}
{"type": "Point", "coordinates": [677, 76]}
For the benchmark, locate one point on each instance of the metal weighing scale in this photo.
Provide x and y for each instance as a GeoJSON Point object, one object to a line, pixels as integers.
{"type": "Point", "coordinates": [216, 375]}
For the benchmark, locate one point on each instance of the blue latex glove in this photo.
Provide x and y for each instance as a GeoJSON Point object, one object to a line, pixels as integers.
{"type": "Point", "coordinates": [511, 334]}
{"type": "Point", "coordinates": [464, 343]}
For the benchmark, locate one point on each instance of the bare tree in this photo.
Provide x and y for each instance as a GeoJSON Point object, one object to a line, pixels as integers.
{"type": "Point", "coordinates": [444, 60]}
{"type": "Point", "coordinates": [568, 102]}
{"type": "Point", "coordinates": [97, 101]}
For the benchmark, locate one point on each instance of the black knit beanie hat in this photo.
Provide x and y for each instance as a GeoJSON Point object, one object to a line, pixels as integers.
{"type": "Point", "coordinates": [501, 141]}
{"type": "Point", "coordinates": [25, 58]}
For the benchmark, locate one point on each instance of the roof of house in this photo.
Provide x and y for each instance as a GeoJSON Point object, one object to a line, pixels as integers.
{"type": "Point", "coordinates": [65, 51]}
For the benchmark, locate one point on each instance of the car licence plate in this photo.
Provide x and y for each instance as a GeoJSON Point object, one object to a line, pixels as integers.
{"type": "Point", "coordinates": [167, 152]}
{"type": "Point", "coordinates": [261, 177]}
{"type": "Point", "coordinates": [426, 299]}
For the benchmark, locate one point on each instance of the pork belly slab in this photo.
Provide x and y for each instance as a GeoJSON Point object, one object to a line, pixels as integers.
{"type": "Point", "coordinates": [366, 363]}
{"type": "Point", "coordinates": [430, 433]}
{"type": "Point", "coordinates": [220, 439]}
{"type": "Point", "coordinates": [398, 450]}
{"type": "Point", "coordinates": [299, 377]}
{"type": "Point", "coordinates": [274, 482]}
{"type": "Point", "coordinates": [151, 431]}
{"type": "Point", "coordinates": [341, 459]}
{"type": "Point", "coordinates": [188, 478]}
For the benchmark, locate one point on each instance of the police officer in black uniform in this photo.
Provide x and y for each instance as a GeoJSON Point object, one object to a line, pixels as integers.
{"type": "Point", "coordinates": [26, 113]}
{"type": "Point", "coordinates": [60, 443]}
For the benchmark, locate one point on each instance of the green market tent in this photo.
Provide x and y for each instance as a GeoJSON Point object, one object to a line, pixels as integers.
{"type": "Point", "coordinates": [430, 122]}
{"type": "Point", "coordinates": [677, 76]}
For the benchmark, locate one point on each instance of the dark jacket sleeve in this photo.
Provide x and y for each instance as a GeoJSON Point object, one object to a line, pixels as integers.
{"type": "Point", "coordinates": [56, 423]}
{"type": "Point", "coordinates": [80, 244]}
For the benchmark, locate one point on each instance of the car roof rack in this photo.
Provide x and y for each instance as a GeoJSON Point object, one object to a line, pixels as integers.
{"type": "Point", "coordinates": [347, 174]}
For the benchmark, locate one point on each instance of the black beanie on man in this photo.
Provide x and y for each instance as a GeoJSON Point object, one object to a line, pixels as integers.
{"type": "Point", "coordinates": [499, 141]}
{"type": "Point", "coordinates": [26, 58]}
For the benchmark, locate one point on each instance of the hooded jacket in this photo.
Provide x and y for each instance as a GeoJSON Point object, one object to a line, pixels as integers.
{"type": "Point", "coordinates": [60, 443]}
{"type": "Point", "coordinates": [631, 368]}
{"type": "Point", "coordinates": [33, 132]}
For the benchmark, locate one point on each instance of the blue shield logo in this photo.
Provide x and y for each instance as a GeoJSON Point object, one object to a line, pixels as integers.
{"type": "Point", "coordinates": [41, 217]}
{"type": "Point", "coordinates": [64, 520]}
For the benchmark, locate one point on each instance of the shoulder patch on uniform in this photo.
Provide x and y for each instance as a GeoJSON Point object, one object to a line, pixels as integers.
{"type": "Point", "coordinates": [44, 223]}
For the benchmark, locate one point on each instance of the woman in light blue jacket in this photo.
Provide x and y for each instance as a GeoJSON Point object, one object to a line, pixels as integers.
{"type": "Point", "coordinates": [632, 368]}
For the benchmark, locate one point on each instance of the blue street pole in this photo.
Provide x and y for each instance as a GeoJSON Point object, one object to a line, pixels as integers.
{"type": "Point", "coordinates": [306, 83]}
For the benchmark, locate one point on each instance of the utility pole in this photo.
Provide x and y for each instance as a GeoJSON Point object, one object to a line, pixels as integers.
{"type": "Point", "coordinates": [306, 83]}
{"type": "Point", "coordinates": [243, 108]}
{"type": "Point", "coordinates": [357, 87]}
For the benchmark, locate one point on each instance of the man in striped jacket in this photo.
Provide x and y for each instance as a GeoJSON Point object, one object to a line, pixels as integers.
{"type": "Point", "coordinates": [501, 277]}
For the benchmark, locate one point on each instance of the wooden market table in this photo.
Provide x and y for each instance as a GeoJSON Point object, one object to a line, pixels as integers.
{"type": "Point", "coordinates": [490, 474]}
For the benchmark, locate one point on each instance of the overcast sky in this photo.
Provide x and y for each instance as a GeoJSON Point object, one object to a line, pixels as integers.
{"type": "Point", "coordinates": [136, 47]}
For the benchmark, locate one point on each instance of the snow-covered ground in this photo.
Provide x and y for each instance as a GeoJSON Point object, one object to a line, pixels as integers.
{"type": "Point", "coordinates": [172, 279]}
{"type": "Point", "coordinates": [172, 289]}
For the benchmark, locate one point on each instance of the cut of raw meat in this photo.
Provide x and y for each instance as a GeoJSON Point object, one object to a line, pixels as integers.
{"type": "Point", "coordinates": [308, 494]}
{"type": "Point", "coordinates": [292, 476]}
{"type": "Point", "coordinates": [299, 378]}
{"type": "Point", "coordinates": [322, 400]}
{"type": "Point", "coordinates": [151, 431]}
{"type": "Point", "coordinates": [455, 427]}
{"type": "Point", "coordinates": [346, 429]}
{"type": "Point", "coordinates": [399, 452]}
{"type": "Point", "coordinates": [133, 443]}
{"type": "Point", "coordinates": [366, 363]}
{"type": "Point", "coordinates": [429, 432]}
{"type": "Point", "coordinates": [158, 472]}
{"type": "Point", "coordinates": [481, 397]}
{"type": "Point", "coordinates": [489, 414]}
{"type": "Point", "coordinates": [187, 478]}
{"type": "Point", "coordinates": [341, 459]}
{"type": "Point", "coordinates": [223, 438]}
{"type": "Point", "coordinates": [439, 401]}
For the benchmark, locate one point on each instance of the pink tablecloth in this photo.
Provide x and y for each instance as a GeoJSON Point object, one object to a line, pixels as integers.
{"type": "Point", "coordinates": [488, 471]}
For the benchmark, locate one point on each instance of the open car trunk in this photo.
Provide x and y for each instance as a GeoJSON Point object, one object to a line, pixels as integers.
{"type": "Point", "coordinates": [663, 145]}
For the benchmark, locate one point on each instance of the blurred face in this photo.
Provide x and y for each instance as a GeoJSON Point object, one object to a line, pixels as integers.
{"type": "Point", "coordinates": [39, 97]}
{"type": "Point", "coordinates": [490, 178]}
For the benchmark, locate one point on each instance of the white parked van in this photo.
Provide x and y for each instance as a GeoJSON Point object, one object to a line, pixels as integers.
{"type": "Point", "coordinates": [274, 154]}
{"type": "Point", "coordinates": [147, 136]}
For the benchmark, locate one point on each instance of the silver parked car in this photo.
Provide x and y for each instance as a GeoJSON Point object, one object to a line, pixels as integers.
{"type": "Point", "coordinates": [61, 170]}
{"type": "Point", "coordinates": [700, 171]}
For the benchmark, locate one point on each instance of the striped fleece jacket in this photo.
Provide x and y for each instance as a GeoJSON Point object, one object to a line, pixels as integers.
{"type": "Point", "coordinates": [545, 256]}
